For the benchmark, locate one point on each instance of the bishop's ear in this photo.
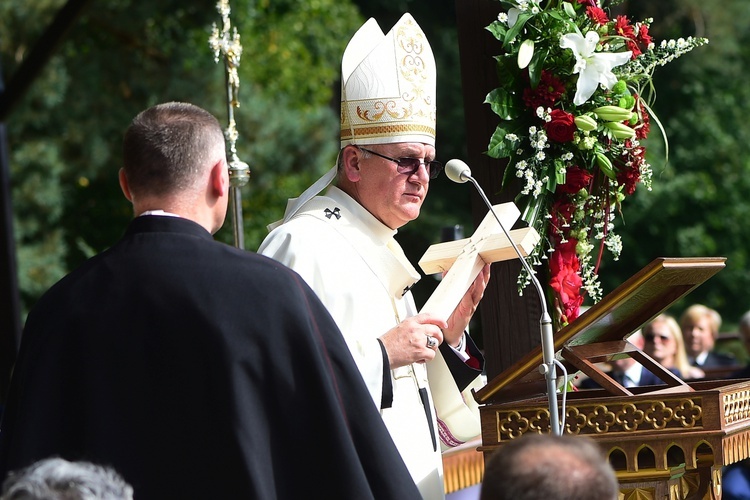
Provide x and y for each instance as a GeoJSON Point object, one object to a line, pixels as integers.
{"type": "Point", "coordinates": [351, 157]}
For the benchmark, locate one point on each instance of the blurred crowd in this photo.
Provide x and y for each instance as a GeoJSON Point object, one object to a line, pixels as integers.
{"type": "Point", "coordinates": [687, 347]}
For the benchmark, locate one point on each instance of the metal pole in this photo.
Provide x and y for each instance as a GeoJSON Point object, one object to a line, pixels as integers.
{"type": "Point", "coordinates": [236, 199]}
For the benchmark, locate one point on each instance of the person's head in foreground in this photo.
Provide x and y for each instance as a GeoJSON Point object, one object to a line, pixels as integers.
{"type": "Point", "coordinates": [59, 479]}
{"type": "Point", "coordinates": [543, 466]}
{"type": "Point", "coordinates": [174, 159]}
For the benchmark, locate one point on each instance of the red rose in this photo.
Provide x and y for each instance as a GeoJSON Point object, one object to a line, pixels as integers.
{"type": "Point", "coordinates": [576, 179]}
{"type": "Point", "coordinates": [565, 280]}
{"type": "Point", "coordinates": [561, 127]}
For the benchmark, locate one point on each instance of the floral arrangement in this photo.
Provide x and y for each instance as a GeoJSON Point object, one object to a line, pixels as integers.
{"type": "Point", "coordinates": [574, 102]}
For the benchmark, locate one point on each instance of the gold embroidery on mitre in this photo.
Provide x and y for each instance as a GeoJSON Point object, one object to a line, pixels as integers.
{"type": "Point", "coordinates": [388, 130]}
{"type": "Point", "coordinates": [394, 85]}
{"type": "Point", "coordinates": [413, 67]}
{"type": "Point", "coordinates": [379, 108]}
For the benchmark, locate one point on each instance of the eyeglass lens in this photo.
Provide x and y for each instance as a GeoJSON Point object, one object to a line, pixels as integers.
{"type": "Point", "coordinates": [408, 166]}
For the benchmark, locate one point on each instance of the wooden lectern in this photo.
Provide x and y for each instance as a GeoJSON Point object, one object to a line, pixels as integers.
{"type": "Point", "coordinates": [666, 442]}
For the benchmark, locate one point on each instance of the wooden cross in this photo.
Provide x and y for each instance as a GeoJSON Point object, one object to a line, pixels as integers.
{"type": "Point", "coordinates": [464, 259]}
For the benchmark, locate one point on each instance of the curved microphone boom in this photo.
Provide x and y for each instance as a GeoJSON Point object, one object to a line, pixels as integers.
{"type": "Point", "coordinates": [459, 172]}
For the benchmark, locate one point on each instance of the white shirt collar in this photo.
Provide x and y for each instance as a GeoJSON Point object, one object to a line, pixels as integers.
{"type": "Point", "coordinates": [634, 373]}
{"type": "Point", "coordinates": [158, 212]}
{"type": "Point", "coordinates": [701, 358]}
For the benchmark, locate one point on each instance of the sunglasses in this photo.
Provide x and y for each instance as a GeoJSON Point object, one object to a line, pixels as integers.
{"type": "Point", "coordinates": [408, 166]}
{"type": "Point", "coordinates": [650, 337]}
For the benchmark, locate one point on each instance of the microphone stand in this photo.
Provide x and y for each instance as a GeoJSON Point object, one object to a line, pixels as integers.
{"type": "Point", "coordinates": [545, 323]}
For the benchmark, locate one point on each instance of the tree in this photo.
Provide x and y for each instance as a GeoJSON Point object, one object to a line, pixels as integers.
{"type": "Point", "coordinates": [699, 198]}
{"type": "Point", "coordinates": [123, 56]}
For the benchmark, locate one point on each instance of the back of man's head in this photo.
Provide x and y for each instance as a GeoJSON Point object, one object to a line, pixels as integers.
{"type": "Point", "coordinates": [168, 148]}
{"type": "Point", "coordinates": [538, 466]}
{"type": "Point", "coordinates": [59, 479]}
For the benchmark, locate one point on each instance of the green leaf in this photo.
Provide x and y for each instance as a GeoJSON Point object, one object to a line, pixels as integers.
{"type": "Point", "coordinates": [507, 71]}
{"type": "Point", "coordinates": [500, 147]}
{"type": "Point", "coordinates": [560, 177]}
{"type": "Point", "coordinates": [497, 29]}
{"type": "Point", "coordinates": [509, 174]}
{"type": "Point", "coordinates": [531, 208]}
{"type": "Point", "coordinates": [504, 104]}
{"type": "Point", "coordinates": [655, 119]}
{"type": "Point", "coordinates": [535, 67]}
{"type": "Point", "coordinates": [513, 32]}
{"type": "Point", "coordinates": [555, 14]}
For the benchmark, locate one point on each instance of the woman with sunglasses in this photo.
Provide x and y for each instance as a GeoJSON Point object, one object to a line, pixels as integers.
{"type": "Point", "coordinates": [664, 343]}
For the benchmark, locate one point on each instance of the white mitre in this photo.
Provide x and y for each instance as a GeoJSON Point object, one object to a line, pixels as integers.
{"type": "Point", "coordinates": [388, 87]}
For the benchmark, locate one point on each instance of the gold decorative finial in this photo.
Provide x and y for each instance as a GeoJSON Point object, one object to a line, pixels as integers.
{"type": "Point", "coordinates": [228, 47]}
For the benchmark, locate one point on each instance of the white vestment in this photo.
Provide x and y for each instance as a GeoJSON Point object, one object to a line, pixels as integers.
{"type": "Point", "coordinates": [360, 273]}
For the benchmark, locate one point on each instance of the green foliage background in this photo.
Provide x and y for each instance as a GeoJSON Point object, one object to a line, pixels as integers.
{"type": "Point", "coordinates": [701, 196]}
{"type": "Point", "coordinates": [123, 55]}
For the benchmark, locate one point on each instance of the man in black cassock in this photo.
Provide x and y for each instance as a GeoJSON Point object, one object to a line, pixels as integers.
{"type": "Point", "coordinates": [195, 369]}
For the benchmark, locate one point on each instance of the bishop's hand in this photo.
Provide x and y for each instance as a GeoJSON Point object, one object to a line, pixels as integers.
{"type": "Point", "coordinates": [414, 340]}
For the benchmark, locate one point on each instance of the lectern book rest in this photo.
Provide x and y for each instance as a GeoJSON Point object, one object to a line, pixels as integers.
{"type": "Point", "coordinates": [665, 441]}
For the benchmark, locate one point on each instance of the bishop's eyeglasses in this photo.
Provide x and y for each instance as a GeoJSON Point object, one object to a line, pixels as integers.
{"type": "Point", "coordinates": [408, 166]}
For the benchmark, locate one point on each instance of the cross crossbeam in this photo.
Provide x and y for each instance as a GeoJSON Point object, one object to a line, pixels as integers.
{"type": "Point", "coordinates": [462, 260]}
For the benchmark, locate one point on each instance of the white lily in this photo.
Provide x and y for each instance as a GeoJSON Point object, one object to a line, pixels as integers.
{"type": "Point", "coordinates": [593, 67]}
{"type": "Point", "coordinates": [525, 53]}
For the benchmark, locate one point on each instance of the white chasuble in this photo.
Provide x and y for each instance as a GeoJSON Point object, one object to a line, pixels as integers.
{"type": "Point", "coordinates": [354, 265]}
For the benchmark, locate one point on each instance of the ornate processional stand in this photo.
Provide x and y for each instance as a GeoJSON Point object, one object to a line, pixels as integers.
{"type": "Point", "coordinates": [229, 48]}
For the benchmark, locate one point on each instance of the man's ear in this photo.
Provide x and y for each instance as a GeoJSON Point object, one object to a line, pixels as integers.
{"type": "Point", "coordinates": [350, 162]}
{"type": "Point", "coordinates": [124, 185]}
{"type": "Point", "coordinates": [219, 178]}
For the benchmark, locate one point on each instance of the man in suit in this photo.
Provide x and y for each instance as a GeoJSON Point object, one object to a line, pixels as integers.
{"type": "Point", "coordinates": [700, 326]}
{"type": "Point", "coordinates": [195, 369]}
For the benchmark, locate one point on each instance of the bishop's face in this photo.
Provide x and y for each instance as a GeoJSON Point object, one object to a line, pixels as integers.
{"type": "Point", "coordinates": [392, 197]}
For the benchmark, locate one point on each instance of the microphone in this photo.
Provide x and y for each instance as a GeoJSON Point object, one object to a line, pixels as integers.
{"type": "Point", "coordinates": [459, 172]}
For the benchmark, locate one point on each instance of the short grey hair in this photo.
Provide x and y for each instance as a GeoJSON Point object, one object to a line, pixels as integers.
{"type": "Point", "coordinates": [168, 147]}
{"type": "Point", "coordinates": [59, 479]}
{"type": "Point", "coordinates": [537, 466]}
